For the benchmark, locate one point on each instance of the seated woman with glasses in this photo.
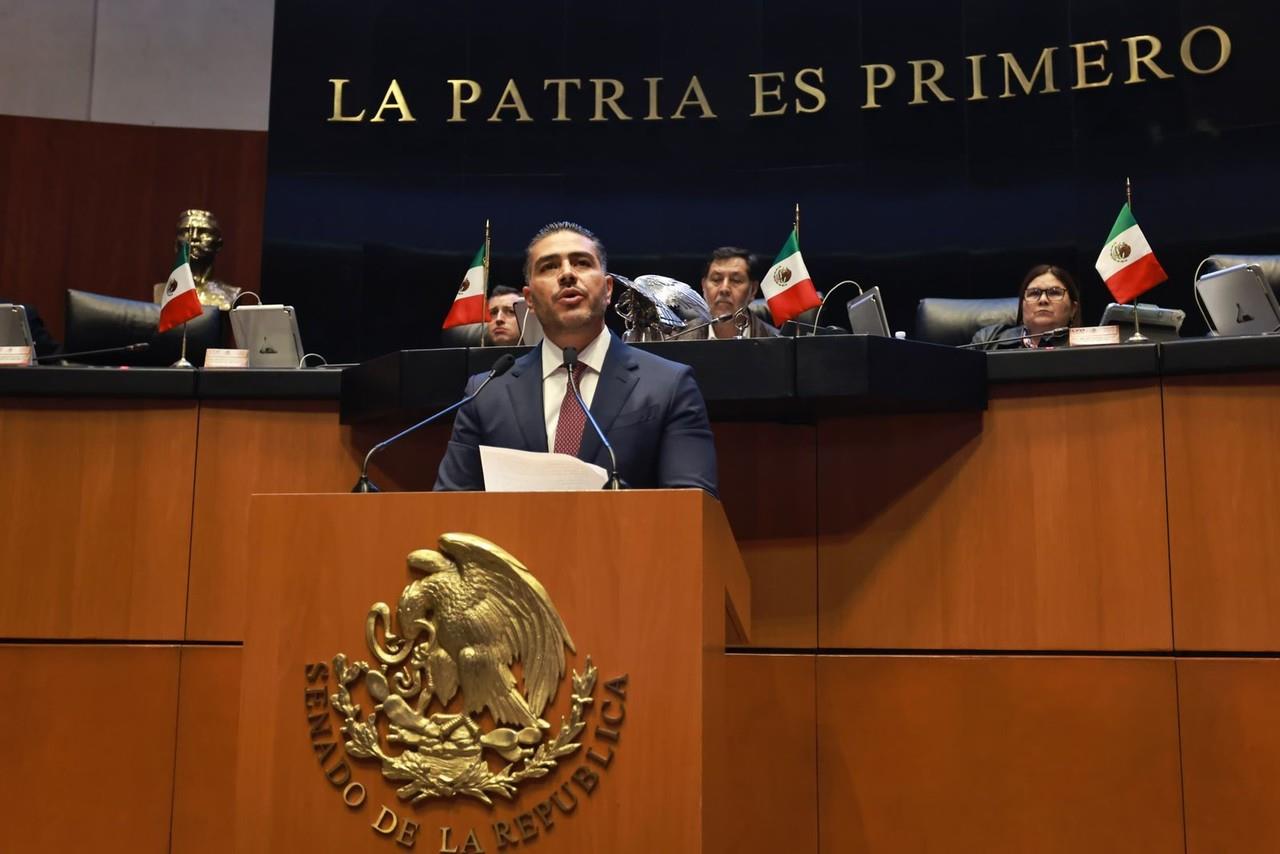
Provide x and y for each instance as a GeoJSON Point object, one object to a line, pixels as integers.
{"type": "Point", "coordinates": [1050, 303]}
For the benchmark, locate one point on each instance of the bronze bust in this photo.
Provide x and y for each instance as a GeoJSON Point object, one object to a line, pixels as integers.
{"type": "Point", "coordinates": [200, 231]}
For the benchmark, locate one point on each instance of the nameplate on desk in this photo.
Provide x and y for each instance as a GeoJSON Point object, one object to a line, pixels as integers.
{"type": "Point", "coordinates": [221, 357]}
{"type": "Point", "coordinates": [15, 356]}
{"type": "Point", "coordinates": [1092, 336]}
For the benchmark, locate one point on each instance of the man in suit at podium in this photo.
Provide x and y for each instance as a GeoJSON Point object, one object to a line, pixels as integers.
{"type": "Point", "coordinates": [649, 408]}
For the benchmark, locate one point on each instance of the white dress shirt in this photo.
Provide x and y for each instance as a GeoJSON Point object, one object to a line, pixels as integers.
{"type": "Point", "coordinates": [555, 380]}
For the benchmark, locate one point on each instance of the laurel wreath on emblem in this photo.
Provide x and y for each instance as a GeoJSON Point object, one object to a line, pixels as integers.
{"type": "Point", "coordinates": [462, 288]}
{"type": "Point", "coordinates": [475, 611]}
{"type": "Point", "coordinates": [1120, 251]}
{"type": "Point", "coordinates": [782, 275]}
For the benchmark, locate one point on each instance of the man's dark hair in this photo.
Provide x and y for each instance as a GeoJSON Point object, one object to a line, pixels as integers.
{"type": "Point", "coordinates": [724, 253]}
{"type": "Point", "coordinates": [502, 291]}
{"type": "Point", "coordinates": [564, 225]}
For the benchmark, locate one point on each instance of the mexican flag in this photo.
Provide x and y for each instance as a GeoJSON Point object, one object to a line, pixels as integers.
{"type": "Point", "coordinates": [787, 286]}
{"type": "Point", "coordinates": [180, 301]}
{"type": "Point", "coordinates": [468, 304]}
{"type": "Point", "coordinates": [1127, 264]}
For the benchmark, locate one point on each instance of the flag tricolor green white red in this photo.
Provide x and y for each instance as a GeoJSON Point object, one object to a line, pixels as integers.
{"type": "Point", "coordinates": [787, 286]}
{"type": "Point", "coordinates": [468, 303]}
{"type": "Point", "coordinates": [180, 301]}
{"type": "Point", "coordinates": [1126, 263]}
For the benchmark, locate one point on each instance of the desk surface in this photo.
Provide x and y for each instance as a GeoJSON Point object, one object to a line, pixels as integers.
{"type": "Point", "coordinates": [767, 379]}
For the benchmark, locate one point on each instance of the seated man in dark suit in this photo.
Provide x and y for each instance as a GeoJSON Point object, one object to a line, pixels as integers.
{"type": "Point", "coordinates": [729, 287]}
{"type": "Point", "coordinates": [650, 408]}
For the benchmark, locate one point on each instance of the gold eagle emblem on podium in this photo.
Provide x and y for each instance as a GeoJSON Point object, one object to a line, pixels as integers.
{"type": "Point", "coordinates": [445, 660]}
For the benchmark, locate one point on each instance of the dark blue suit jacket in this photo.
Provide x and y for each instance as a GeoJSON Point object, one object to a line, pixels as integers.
{"type": "Point", "coordinates": [649, 407]}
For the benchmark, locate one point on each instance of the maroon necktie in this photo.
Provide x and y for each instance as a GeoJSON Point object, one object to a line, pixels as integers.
{"type": "Point", "coordinates": [572, 418]}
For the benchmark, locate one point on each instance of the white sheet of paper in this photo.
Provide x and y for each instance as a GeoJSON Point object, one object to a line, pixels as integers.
{"type": "Point", "coordinates": [507, 470]}
{"type": "Point", "coordinates": [15, 356]}
{"type": "Point", "coordinates": [220, 357]}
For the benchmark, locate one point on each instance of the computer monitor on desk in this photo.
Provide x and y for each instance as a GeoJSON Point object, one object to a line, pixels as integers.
{"type": "Point", "coordinates": [1238, 301]}
{"type": "Point", "coordinates": [14, 329]}
{"type": "Point", "coordinates": [1154, 322]}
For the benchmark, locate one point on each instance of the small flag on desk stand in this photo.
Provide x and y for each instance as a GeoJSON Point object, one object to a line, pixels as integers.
{"type": "Point", "coordinates": [1127, 264]}
{"type": "Point", "coordinates": [180, 301]}
{"type": "Point", "coordinates": [787, 287]}
{"type": "Point", "coordinates": [468, 303]}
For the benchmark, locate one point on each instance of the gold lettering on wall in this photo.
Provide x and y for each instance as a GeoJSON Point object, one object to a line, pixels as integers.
{"type": "Point", "coordinates": [1224, 49]}
{"type": "Point", "coordinates": [394, 100]}
{"type": "Point", "coordinates": [774, 92]}
{"type": "Point", "coordinates": [885, 81]}
{"type": "Point", "coordinates": [459, 100]}
{"type": "Point", "coordinates": [693, 95]}
{"type": "Point", "coordinates": [611, 100]}
{"type": "Point", "coordinates": [975, 76]}
{"type": "Point", "coordinates": [510, 100]}
{"type": "Point", "coordinates": [561, 84]}
{"type": "Point", "coordinates": [1203, 50]}
{"type": "Point", "coordinates": [920, 82]}
{"type": "Point", "coordinates": [1083, 65]}
{"type": "Point", "coordinates": [819, 97]}
{"type": "Point", "coordinates": [653, 115]}
{"type": "Point", "coordinates": [1013, 69]}
{"type": "Point", "coordinates": [337, 103]}
{"type": "Point", "coordinates": [1147, 58]}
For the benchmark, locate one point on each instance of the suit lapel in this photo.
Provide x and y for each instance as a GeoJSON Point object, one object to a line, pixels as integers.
{"type": "Point", "coordinates": [618, 378]}
{"type": "Point", "coordinates": [526, 399]}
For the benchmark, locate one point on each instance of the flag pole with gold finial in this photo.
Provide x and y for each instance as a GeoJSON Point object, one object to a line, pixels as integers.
{"type": "Point", "coordinates": [1137, 335]}
{"type": "Point", "coordinates": [796, 224]}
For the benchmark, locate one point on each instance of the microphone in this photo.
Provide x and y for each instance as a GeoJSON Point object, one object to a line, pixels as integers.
{"type": "Point", "coordinates": [1050, 332]}
{"type": "Point", "coordinates": [128, 348]}
{"type": "Point", "coordinates": [719, 318]}
{"type": "Point", "coordinates": [570, 360]}
{"type": "Point", "coordinates": [500, 367]}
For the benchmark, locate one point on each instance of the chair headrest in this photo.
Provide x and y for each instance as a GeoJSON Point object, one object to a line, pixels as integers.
{"type": "Point", "coordinates": [953, 321]}
{"type": "Point", "coordinates": [1270, 265]}
{"type": "Point", "coordinates": [97, 321]}
{"type": "Point", "coordinates": [467, 335]}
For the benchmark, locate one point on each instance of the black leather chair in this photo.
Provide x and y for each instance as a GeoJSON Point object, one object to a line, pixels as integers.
{"type": "Point", "coordinates": [953, 321]}
{"type": "Point", "coordinates": [1270, 265]}
{"type": "Point", "coordinates": [97, 321]}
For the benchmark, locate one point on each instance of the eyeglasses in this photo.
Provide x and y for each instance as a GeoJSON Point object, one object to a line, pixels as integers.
{"type": "Point", "coordinates": [1055, 294]}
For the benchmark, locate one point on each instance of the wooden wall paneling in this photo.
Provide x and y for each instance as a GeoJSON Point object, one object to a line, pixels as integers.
{"type": "Point", "coordinates": [998, 754]}
{"type": "Point", "coordinates": [1223, 491]}
{"type": "Point", "coordinates": [1230, 754]}
{"type": "Point", "coordinates": [95, 517]}
{"type": "Point", "coordinates": [763, 798]}
{"type": "Point", "coordinates": [247, 447]}
{"type": "Point", "coordinates": [89, 741]}
{"type": "Point", "coordinates": [204, 793]}
{"type": "Point", "coordinates": [409, 465]}
{"type": "Point", "coordinates": [767, 477]}
{"type": "Point", "coordinates": [1039, 524]}
{"type": "Point", "coordinates": [93, 206]}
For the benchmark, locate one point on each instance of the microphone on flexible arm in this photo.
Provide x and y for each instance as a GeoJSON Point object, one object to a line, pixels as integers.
{"type": "Point", "coordinates": [128, 348]}
{"type": "Point", "coordinates": [499, 368]}
{"type": "Point", "coordinates": [719, 318]}
{"type": "Point", "coordinates": [1049, 332]}
{"type": "Point", "coordinates": [570, 360]}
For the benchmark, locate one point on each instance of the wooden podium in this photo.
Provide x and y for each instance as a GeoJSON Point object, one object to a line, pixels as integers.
{"type": "Point", "coordinates": [648, 584]}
